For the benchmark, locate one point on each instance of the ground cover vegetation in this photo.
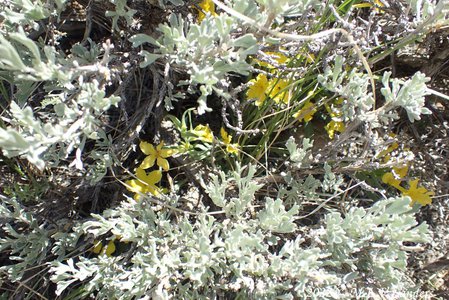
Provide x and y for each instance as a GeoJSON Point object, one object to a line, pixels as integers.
{"type": "Point", "coordinates": [236, 149]}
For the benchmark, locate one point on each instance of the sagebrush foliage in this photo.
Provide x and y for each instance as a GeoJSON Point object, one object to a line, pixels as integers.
{"type": "Point", "coordinates": [250, 241]}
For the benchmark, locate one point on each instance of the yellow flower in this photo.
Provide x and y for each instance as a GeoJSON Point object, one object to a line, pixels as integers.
{"type": "Point", "coordinates": [203, 133]}
{"type": "Point", "coordinates": [276, 56]}
{"type": "Point", "coordinates": [225, 136]}
{"type": "Point", "coordinates": [420, 195]}
{"type": "Point", "coordinates": [157, 154]}
{"type": "Point", "coordinates": [276, 89]}
{"type": "Point", "coordinates": [97, 247]}
{"type": "Point", "coordinates": [401, 171]}
{"type": "Point", "coordinates": [279, 57]}
{"type": "Point", "coordinates": [109, 249]}
{"type": "Point", "coordinates": [389, 179]}
{"type": "Point", "coordinates": [335, 113]}
{"type": "Point", "coordinates": [334, 126]}
{"type": "Point", "coordinates": [279, 91]}
{"type": "Point", "coordinates": [306, 113]}
{"type": "Point", "coordinates": [145, 183]}
{"type": "Point", "coordinates": [207, 6]}
{"type": "Point", "coordinates": [258, 89]}
{"type": "Point", "coordinates": [231, 148]}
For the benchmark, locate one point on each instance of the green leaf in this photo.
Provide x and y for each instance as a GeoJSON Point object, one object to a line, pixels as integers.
{"type": "Point", "coordinates": [246, 41]}
{"type": "Point", "coordinates": [11, 140]}
{"type": "Point", "coordinates": [141, 38]}
{"type": "Point", "coordinates": [10, 58]}
{"type": "Point", "coordinates": [275, 218]}
{"type": "Point", "coordinates": [149, 58]}
{"type": "Point", "coordinates": [21, 37]}
{"type": "Point", "coordinates": [398, 207]}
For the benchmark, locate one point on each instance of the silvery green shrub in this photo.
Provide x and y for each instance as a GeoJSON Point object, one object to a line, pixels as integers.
{"type": "Point", "coordinates": [208, 51]}
{"type": "Point", "coordinates": [200, 256]}
{"type": "Point", "coordinates": [64, 125]}
{"type": "Point", "coordinates": [255, 246]}
{"type": "Point", "coordinates": [359, 102]}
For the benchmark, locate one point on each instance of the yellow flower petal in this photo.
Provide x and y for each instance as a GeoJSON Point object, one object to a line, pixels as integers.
{"type": "Point", "coordinates": [279, 57]}
{"type": "Point", "coordinates": [203, 133]}
{"type": "Point", "coordinates": [148, 162]}
{"type": "Point", "coordinates": [258, 89]}
{"type": "Point", "coordinates": [110, 248]}
{"type": "Point", "coordinates": [164, 153]}
{"type": "Point", "coordinates": [147, 148]}
{"type": "Point", "coordinates": [401, 172]}
{"type": "Point", "coordinates": [232, 148]}
{"type": "Point", "coordinates": [162, 162]}
{"type": "Point", "coordinates": [135, 186]}
{"type": "Point", "coordinates": [145, 183]}
{"type": "Point", "coordinates": [276, 56]}
{"type": "Point", "coordinates": [153, 177]}
{"type": "Point", "coordinates": [418, 194]}
{"type": "Point", "coordinates": [306, 113]}
{"type": "Point", "coordinates": [159, 147]}
{"type": "Point", "coordinates": [279, 90]}
{"type": "Point", "coordinates": [154, 190]}
{"type": "Point", "coordinates": [389, 179]}
{"type": "Point", "coordinates": [140, 173]}
{"type": "Point", "coordinates": [225, 136]}
{"type": "Point", "coordinates": [207, 6]}
{"type": "Point", "coordinates": [97, 247]}
{"type": "Point", "coordinates": [334, 126]}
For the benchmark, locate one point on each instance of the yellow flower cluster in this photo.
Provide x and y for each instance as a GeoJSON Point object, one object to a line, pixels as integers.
{"type": "Point", "coordinates": [394, 178]}
{"type": "Point", "coordinates": [276, 88]}
{"type": "Point", "coordinates": [262, 88]}
{"type": "Point", "coordinates": [280, 91]}
{"type": "Point", "coordinates": [144, 182]}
